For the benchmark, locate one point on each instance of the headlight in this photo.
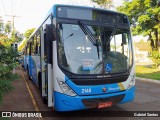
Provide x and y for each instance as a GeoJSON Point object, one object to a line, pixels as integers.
{"type": "Point", "coordinates": [132, 83]}
{"type": "Point", "coordinates": [65, 88]}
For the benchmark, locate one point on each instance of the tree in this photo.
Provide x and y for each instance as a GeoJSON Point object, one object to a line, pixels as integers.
{"type": "Point", "coordinates": [8, 57]}
{"type": "Point", "coordinates": [16, 36]}
{"type": "Point", "coordinates": [22, 45]}
{"type": "Point", "coordinates": [104, 3]}
{"type": "Point", "coordinates": [144, 17]}
{"type": "Point", "coordinates": [28, 33]}
{"type": "Point", "coordinates": [1, 27]}
{"type": "Point", "coordinates": [8, 28]}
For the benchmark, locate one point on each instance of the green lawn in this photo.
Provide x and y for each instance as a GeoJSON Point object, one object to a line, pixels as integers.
{"type": "Point", "coordinates": [148, 72]}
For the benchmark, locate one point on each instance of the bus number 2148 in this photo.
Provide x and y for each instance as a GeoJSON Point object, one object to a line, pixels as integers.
{"type": "Point", "coordinates": [86, 90]}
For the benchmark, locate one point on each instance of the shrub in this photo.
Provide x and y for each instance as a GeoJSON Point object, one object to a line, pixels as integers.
{"type": "Point", "coordinates": [155, 57]}
{"type": "Point", "coordinates": [7, 62]}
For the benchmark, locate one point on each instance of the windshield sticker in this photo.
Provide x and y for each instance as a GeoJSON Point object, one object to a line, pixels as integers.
{"type": "Point", "coordinates": [108, 67]}
{"type": "Point", "coordinates": [88, 64]}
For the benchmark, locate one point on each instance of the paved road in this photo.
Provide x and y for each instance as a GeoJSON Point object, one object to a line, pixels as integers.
{"type": "Point", "coordinates": [147, 99]}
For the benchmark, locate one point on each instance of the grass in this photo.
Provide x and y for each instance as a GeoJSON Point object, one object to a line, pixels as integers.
{"type": "Point", "coordinates": [148, 72]}
{"type": "Point", "coordinates": [4, 118]}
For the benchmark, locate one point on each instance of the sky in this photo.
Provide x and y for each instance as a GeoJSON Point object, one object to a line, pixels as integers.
{"type": "Point", "coordinates": [30, 13]}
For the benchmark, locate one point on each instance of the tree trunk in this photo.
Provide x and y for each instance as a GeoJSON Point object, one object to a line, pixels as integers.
{"type": "Point", "coordinates": [152, 42]}
{"type": "Point", "coordinates": [156, 41]}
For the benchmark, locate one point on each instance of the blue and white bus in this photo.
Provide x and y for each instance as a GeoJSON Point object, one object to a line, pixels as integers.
{"type": "Point", "coordinates": [81, 58]}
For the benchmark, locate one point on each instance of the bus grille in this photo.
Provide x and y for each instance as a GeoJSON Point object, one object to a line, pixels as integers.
{"type": "Point", "coordinates": [100, 81]}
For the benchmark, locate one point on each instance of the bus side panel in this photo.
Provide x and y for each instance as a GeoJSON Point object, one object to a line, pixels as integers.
{"type": "Point", "coordinates": [35, 68]}
{"type": "Point", "coordinates": [29, 66]}
{"type": "Point", "coordinates": [24, 62]}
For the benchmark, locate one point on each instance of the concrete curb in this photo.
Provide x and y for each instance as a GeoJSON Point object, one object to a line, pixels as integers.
{"type": "Point", "coordinates": [147, 80]}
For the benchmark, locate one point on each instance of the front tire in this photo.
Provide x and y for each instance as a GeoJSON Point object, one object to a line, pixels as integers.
{"type": "Point", "coordinates": [44, 99]}
{"type": "Point", "coordinates": [28, 73]}
{"type": "Point", "coordinates": [40, 82]}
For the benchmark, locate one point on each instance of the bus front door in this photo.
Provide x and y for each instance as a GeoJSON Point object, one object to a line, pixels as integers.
{"type": "Point", "coordinates": [43, 60]}
{"type": "Point", "coordinates": [46, 63]}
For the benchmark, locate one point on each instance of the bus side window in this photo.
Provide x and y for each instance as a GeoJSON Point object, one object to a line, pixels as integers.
{"type": "Point", "coordinates": [33, 46]}
{"type": "Point", "coordinates": [45, 44]}
{"type": "Point", "coordinates": [38, 44]}
{"type": "Point", "coordinates": [27, 49]}
{"type": "Point", "coordinates": [30, 45]}
{"type": "Point", "coordinates": [26, 53]}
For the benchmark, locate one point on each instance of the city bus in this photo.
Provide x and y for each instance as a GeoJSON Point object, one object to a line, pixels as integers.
{"type": "Point", "coordinates": [82, 58]}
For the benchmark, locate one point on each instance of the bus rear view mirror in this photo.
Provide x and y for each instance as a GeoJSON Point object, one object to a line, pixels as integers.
{"type": "Point", "coordinates": [50, 37]}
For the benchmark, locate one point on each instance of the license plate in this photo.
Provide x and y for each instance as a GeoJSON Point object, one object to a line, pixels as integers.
{"type": "Point", "coordinates": [104, 104]}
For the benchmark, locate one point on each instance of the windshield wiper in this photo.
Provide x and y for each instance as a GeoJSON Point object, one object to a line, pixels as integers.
{"type": "Point", "coordinates": [88, 33]}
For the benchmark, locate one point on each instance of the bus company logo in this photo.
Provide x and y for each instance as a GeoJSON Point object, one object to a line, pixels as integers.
{"type": "Point", "coordinates": [104, 89]}
{"type": "Point", "coordinates": [6, 114]}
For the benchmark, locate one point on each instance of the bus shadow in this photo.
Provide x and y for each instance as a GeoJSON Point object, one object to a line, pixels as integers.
{"type": "Point", "coordinates": [114, 111]}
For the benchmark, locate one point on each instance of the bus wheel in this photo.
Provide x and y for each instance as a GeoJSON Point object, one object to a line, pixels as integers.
{"type": "Point", "coordinates": [39, 82]}
{"type": "Point", "coordinates": [44, 99]}
{"type": "Point", "coordinates": [28, 74]}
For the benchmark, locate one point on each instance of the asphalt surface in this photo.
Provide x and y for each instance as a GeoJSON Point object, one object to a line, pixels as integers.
{"type": "Point", "coordinates": [147, 98]}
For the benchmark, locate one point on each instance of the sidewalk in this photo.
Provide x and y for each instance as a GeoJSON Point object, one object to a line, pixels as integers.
{"type": "Point", "coordinates": [148, 80]}
{"type": "Point", "coordinates": [18, 99]}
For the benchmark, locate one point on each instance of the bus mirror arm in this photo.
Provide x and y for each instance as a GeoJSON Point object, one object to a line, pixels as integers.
{"type": "Point", "coordinates": [124, 39]}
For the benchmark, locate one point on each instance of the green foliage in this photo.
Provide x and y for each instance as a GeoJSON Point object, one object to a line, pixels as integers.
{"type": "Point", "coordinates": [5, 118]}
{"type": "Point", "coordinates": [5, 84]}
{"type": "Point", "coordinates": [1, 27]}
{"type": "Point", "coordinates": [28, 33]}
{"type": "Point", "coordinates": [155, 56]}
{"type": "Point", "coordinates": [22, 45]}
{"type": "Point", "coordinates": [8, 28]}
{"type": "Point", "coordinates": [8, 57]}
{"type": "Point", "coordinates": [104, 3]}
{"type": "Point", "coordinates": [144, 16]}
{"type": "Point", "coordinates": [7, 63]}
{"type": "Point", "coordinates": [8, 60]}
{"type": "Point", "coordinates": [16, 36]}
{"type": "Point", "coordinates": [147, 72]}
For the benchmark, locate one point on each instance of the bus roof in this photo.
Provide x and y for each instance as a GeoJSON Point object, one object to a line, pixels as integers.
{"type": "Point", "coordinates": [53, 9]}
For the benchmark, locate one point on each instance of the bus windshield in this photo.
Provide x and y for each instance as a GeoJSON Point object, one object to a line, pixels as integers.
{"type": "Point", "coordinates": [94, 50]}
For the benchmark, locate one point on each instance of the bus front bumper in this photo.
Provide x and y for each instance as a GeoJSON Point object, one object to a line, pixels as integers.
{"type": "Point", "coordinates": [68, 103]}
